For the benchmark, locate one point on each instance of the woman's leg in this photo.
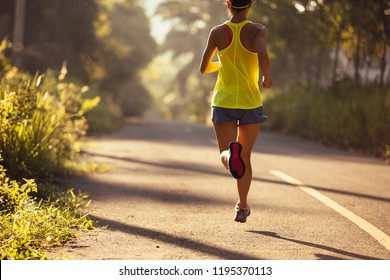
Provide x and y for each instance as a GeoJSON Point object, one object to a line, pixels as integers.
{"type": "Point", "coordinates": [225, 132]}
{"type": "Point", "coordinates": [247, 135]}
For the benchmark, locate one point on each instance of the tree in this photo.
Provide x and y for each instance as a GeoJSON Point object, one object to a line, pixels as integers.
{"type": "Point", "coordinates": [104, 43]}
{"type": "Point", "coordinates": [124, 47]}
{"type": "Point", "coordinates": [18, 33]}
{"type": "Point", "coordinates": [304, 33]}
{"type": "Point", "coordinates": [310, 42]}
{"type": "Point", "coordinates": [188, 36]}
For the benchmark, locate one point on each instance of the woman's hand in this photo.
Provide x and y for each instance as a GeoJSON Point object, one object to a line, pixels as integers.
{"type": "Point", "coordinates": [266, 82]}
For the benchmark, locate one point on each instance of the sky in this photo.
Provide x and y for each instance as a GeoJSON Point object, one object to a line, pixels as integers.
{"type": "Point", "coordinates": [159, 27]}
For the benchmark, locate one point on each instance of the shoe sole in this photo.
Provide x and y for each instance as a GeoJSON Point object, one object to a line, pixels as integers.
{"type": "Point", "coordinates": [236, 164]}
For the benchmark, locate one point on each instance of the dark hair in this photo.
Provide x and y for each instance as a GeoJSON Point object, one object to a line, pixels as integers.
{"type": "Point", "coordinates": [239, 5]}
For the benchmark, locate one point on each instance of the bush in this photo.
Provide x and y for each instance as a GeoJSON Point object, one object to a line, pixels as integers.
{"type": "Point", "coordinates": [41, 121]}
{"type": "Point", "coordinates": [349, 116]}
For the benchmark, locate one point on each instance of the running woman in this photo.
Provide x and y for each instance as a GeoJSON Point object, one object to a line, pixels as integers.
{"type": "Point", "coordinates": [237, 109]}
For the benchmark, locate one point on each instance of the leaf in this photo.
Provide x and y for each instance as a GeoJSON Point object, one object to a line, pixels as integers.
{"type": "Point", "coordinates": [90, 104]}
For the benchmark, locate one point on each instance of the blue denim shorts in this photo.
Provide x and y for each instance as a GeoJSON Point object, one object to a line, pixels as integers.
{"type": "Point", "coordinates": [241, 116]}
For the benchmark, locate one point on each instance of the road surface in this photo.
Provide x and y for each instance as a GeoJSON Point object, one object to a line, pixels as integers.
{"type": "Point", "coordinates": [167, 197]}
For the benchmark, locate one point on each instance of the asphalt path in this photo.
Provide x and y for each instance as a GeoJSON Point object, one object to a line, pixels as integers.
{"type": "Point", "coordinates": [167, 197]}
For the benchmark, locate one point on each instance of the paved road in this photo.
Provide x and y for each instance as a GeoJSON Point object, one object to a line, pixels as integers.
{"type": "Point", "coordinates": [168, 197]}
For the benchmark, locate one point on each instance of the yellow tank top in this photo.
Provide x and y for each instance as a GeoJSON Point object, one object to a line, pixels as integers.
{"type": "Point", "coordinates": [237, 85]}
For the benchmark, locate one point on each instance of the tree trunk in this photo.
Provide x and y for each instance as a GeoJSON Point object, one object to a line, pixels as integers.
{"type": "Point", "coordinates": [18, 32]}
{"type": "Point", "coordinates": [383, 65]}
{"type": "Point", "coordinates": [385, 44]}
{"type": "Point", "coordinates": [319, 66]}
{"type": "Point", "coordinates": [336, 60]}
{"type": "Point", "coordinates": [359, 35]}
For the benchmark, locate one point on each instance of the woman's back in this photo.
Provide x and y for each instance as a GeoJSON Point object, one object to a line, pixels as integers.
{"type": "Point", "coordinates": [248, 35]}
{"type": "Point", "coordinates": [237, 83]}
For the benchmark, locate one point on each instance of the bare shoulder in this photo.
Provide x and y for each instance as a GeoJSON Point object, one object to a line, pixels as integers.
{"type": "Point", "coordinates": [255, 30]}
{"type": "Point", "coordinates": [259, 25]}
{"type": "Point", "coordinates": [214, 34]}
{"type": "Point", "coordinates": [218, 28]}
{"type": "Point", "coordinates": [259, 28]}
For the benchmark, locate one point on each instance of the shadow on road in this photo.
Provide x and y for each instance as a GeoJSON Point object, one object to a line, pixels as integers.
{"type": "Point", "coordinates": [191, 167]}
{"type": "Point", "coordinates": [319, 246]}
{"type": "Point", "coordinates": [110, 191]}
{"type": "Point", "coordinates": [207, 170]}
{"type": "Point", "coordinates": [171, 239]}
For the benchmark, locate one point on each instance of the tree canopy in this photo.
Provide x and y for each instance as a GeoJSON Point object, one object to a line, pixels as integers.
{"type": "Point", "coordinates": [311, 42]}
{"type": "Point", "coordinates": [103, 43]}
{"type": "Point", "coordinates": [107, 43]}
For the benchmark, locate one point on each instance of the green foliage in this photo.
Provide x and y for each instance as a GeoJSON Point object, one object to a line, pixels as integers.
{"type": "Point", "coordinates": [41, 121]}
{"type": "Point", "coordinates": [310, 42]}
{"type": "Point", "coordinates": [348, 116]}
{"type": "Point", "coordinates": [4, 64]}
{"type": "Point", "coordinates": [105, 44]}
{"type": "Point", "coordinates": [124, 47]}
{"type": "Point", "coordinates": [105, 118]}
{"type": "Point", "coordinates": [186, 97]}
{"type": "Point", "coordinates": [56, 31]}
{"type": "Point", "coordinates": [304, 36]}
{"type": "Point", "coordinates": [27, 227]}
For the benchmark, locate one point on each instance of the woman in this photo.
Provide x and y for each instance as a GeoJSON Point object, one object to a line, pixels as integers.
{"type": "Point", "coordinates": [236, 104]}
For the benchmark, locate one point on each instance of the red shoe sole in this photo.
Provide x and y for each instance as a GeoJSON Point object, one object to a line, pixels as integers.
{"type": "Point", "coordinates": [236, 164]}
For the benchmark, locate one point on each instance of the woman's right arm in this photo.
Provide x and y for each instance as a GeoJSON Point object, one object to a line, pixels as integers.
{"type": "Point", "coordinates": [208, 66]}
{"type": "Point", "coordinates": [261, 49]}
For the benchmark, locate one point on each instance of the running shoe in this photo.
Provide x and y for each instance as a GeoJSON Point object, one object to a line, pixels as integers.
{"type": "Point", "coordinates": [242, 214]}
{"type": "Point", "coordinates": [236, 164]}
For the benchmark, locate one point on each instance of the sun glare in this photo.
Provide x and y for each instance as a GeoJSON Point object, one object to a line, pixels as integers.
{"type": "Point", "coordinates": [159, 27]}
{"type": "Point", "coordinates": [300, 8]}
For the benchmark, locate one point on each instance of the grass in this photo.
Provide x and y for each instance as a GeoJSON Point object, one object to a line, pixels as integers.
{"type": "Point", "coordinates": [33, 220]}
{"type": "Point", "coordinates": [41, 123]}
{"type": "Point", "coordinates": [348, 116]}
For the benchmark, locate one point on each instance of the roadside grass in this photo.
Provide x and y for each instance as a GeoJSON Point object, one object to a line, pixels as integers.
{"type": "Point", "coordinates": [33, 220]}
{"type": "Point", "coordinates": [41, 124]}
{"type": "Point", "coordinates": [347, 116]}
